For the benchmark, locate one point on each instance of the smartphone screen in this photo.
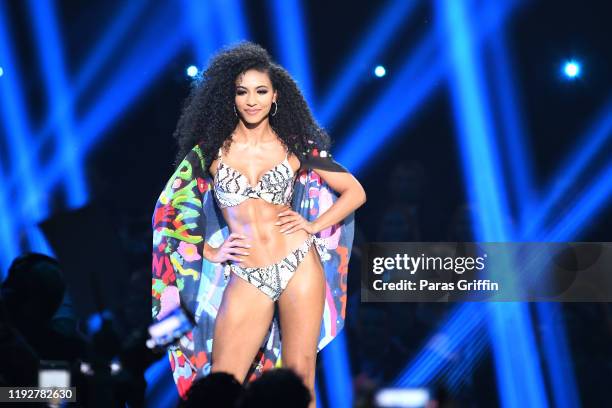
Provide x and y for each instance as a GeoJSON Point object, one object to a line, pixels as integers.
{"type": "Point", "coordinates": [172, 327]}
{"type": "Point", "coordinates": [54, 374]}
{"type": "Point", "coordinates": [402, 397]}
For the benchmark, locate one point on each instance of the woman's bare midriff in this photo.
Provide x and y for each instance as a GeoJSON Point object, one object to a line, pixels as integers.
{"type": "Point", "coordinates": [255, 219]}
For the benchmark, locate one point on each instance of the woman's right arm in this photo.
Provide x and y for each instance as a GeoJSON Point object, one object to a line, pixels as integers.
{"type": "Point", "coordinates": [229, 250]}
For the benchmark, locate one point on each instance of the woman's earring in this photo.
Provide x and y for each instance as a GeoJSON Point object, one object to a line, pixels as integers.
{"type": "Point", "coordinates": [275, 108]}
{"type": "Point", "coordinates": [235, 113]}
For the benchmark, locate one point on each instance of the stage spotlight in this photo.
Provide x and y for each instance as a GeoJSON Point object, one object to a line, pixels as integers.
{"type": "Point", "coordinates": [571, 69]}
{"type": "Point", "coordinates": [1, 71]}
{"type": "Point", "coordinates": [192, 71]}
{"type": "Point", "coordinates": [94, 323]}
{"type": "Point", "coordinates": [380, 71]}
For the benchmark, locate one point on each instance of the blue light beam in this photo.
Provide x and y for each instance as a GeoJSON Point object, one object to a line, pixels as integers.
{"type": "Point", "coordinates": [426, 364]}
{"type": "Point", "coordinates": [513, 128]}
{"type": "Point", "coordinates": [233, 25]}
{"type": "Point", "coordinates": [416, 79]}
{"type": "Point", "coordinates": [372, 45]}
{"type": "Point", "coordinates": [118, 96]}
{"type": "Point", "coordinates": [292, 44]}
{"type": "Point", "coordinates": [198, 17]}
{"type": "Point", "coordinates": [521, 176]}
{"type": "Point", "coordinates": [50, 54]}
{"type": "Point", "coordinates": [86, 73]}
{"type": "Point", "coordinates": [23, 170]}
{"type": "Point", "coordinates": [337, 373]}
{"type": "Point", "coordinates": [161, 391]}
{"type": "Point", "coordinates": [520, 383]}
{"type": "Point", "coordinates": [590, 144]}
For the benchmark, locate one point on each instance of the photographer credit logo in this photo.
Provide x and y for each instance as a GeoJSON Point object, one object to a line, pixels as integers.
{"type": "Point", "coordinates": [462, 271]}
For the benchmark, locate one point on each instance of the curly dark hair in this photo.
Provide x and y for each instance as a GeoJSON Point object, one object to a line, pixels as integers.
{"type": "Point", "coordinates": [208, 117]}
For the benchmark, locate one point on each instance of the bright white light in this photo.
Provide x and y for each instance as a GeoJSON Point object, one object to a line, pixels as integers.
{"type": "Point", "coordinates": [572, 69]}
{"type": "Point", "coordinates": [86, 368]}
{"type": "Point", "coordinates": [192, 71]}
{"type": "Point", "coordinates": [380, 71]}
{"type": "Point", "coordinates": [1, 71]}
{"type": "Point", "coordinates": [115, 367]}
{"type": "Point", "coordinates": [404, 398]}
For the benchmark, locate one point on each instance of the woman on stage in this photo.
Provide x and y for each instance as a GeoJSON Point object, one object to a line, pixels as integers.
{"type": "Point", "coordinates": [254, 230]}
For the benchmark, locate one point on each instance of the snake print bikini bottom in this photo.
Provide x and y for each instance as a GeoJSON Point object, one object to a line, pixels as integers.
{"type": "Point", "coordinates": [273, 279]}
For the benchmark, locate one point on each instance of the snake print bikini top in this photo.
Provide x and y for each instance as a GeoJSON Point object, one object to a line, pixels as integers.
{"type": "Point", "coordinates": [232, 187]}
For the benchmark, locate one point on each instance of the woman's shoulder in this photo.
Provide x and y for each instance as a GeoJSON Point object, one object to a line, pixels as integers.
{"type": "Point", "coordinates": [319, 156]}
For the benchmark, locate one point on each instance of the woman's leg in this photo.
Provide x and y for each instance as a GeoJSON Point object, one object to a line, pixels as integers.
{"type": "Point", "coordinates": [241, 325]}
{"type": "Point", "coordinates": [301, 312]}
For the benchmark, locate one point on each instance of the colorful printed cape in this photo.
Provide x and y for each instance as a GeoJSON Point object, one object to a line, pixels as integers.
{"type": "Point", "coordinates": [186, 215]}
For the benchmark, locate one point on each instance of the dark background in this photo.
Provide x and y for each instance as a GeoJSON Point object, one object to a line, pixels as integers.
{"type": "Point", "coordinates": [132, 162]}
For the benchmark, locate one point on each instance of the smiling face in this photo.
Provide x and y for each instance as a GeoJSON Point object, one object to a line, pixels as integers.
{"type": "Point", "coordinates": [254, 96]}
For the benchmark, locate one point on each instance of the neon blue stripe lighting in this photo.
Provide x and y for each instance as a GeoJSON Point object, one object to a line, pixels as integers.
{"type": "Point", "coordinates": [117, 31]}
{"type": "Point", "coordinates": [291, 43]}
{"type": "Point", "coordinates": [470, 352]}
{"type": "Point", "coordinates": [491, 22]}
{"type": "Point", "coordinates": [127, 86]}
{"type": "Point", "coordinates": [92, 65]}
{"type": "Point", "coordinates": [509, 324]}
{"type": "Point", "coordinates": [472, 117]}
{"type": "Point", "coordinates": [415, 81]}
{"type": "Point", "coordinates": [360, 62]}
{"type": "Point", "coordinates": [564, 385]}
{"type": "Point", "coordinates": [520, 379]}
{"type": "Point", "coordinates": [161, 391]}
{"type": "Point", "coordinates": [520, 160]}
{"type": "Point", "coordinates": [353, 154]}
{"type": "Point", "coordinates": [557, 357]}
{"type": "Point", "coordinates": [338, 382]}
{"type": "Point", "coordinates": [131, 77]}
{"type": "Point", "coordinates": [584, 210]}
{"type": "Point", "coordinates": [23, 171]}
{"type": "Point", "coordinates": [418, 76]}
{"type": "Point", "coordinates": [198, 17]}
{"type": "Point", "coordinates": [597, 195]}
{"type": "Point", "coordinates": [600, 192]}
{"type": "Point", "coordinates": [118, 96]}
{"type": "Point", "coordinates": [430, 360]}
{"type": "Point", "coordinates": [15, 119]}
{"type": "Point", "coordinates": [50, 54]}
{"type": "Point", "coordinates": [234, 26]}
{"type": "Point", "coordinates": [7, 228]}
{"type": "Point", "coordinates": [589, 146]}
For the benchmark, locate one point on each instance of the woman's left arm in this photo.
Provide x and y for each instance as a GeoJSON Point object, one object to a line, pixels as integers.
{"type": "Point", "coordinates": [352, 196]}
